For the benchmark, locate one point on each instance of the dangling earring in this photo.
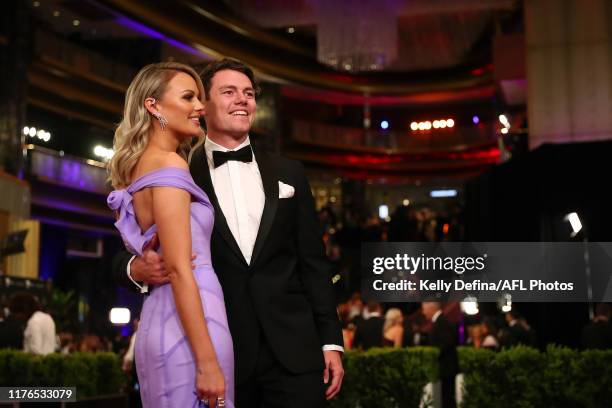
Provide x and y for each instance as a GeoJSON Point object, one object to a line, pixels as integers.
{"type": "Point", "coordinates": [163, 122]}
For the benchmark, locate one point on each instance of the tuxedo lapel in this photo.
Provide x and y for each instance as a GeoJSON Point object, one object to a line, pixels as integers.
{"type": "Point", "coordinates": [201, 175]}
{"type": "Point", "coordinates": [269, 178]}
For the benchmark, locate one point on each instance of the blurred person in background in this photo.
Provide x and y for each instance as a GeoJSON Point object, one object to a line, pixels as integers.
{"type": "Point", "coordinates": [518, 331]}
{"type": "Point", "coordinates": [39, 334]}
{"type": "Point", "coordinates": [488, 335]}
{"type": "Point", "coordinates": [598, 333]}
{"type": "Point", "coordinates": [369, 331]}
{"type": "Point", "coordinates": [393, 329]}
{"type": "Point", "coordinates": [443, 336]}
{"type": "Point", "coordinates": [66, 343]}
{"type": "Point", "coordinates": [11, 330]}
{"type": "Point", "coordinates": [348, 327]}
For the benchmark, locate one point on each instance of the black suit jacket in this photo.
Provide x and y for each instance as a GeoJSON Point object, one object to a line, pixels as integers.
{"type": "Point", "coordinates": [597, 335]}
{"type": "Point", "coordinates": [285, 296]}
{"type": "Point", "coordinates": [369, 333]}
{"type": "Point", "coordinates": [443, 335]}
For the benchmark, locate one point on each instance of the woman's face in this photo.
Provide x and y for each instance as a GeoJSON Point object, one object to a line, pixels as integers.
{"type": "Point", "coordinates": [181, 106]}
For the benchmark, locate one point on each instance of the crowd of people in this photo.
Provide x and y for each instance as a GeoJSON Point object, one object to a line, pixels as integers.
{"type": "Point", "coordinates": [369, 324]}
{"type": "Point", "coordinates": [25, 325]}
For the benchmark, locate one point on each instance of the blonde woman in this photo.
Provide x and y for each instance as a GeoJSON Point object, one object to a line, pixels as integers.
{"type": "Point", "coordinates": [393, 329]}
{"type": "Point", "coordinates": [184, 355]}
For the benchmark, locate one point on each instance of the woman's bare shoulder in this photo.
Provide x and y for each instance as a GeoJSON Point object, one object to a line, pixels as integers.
{"type": "Point", "coordinates": [157, 160]}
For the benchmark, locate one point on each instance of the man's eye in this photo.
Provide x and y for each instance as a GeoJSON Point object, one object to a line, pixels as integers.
{"type": "Point", "coordinates": [250, 94]}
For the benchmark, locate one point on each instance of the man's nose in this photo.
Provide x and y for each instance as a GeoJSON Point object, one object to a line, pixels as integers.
{"type": "Point", "coordinates": [240, 99]}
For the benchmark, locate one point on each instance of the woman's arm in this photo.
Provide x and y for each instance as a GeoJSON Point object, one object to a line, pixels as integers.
{"type": "Point", "coordinates": [399, 337]}
{"type": "Point", "coordinates": [171, 212]}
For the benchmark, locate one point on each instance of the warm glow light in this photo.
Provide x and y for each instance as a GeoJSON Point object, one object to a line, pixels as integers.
{"type": "Point", "coordinates": [445, 229]}
{"type": "Point", "coordinates": [504, 131]}
{"type": "Point", "coordinates": [383, 211]}
{"type": "Point", "coordinates": [436, 124]}
{"type": "Point", "coordinates": [406, 202]}
{"type": "Point", "coordinates": [469, 306]}
{"type": "Point", "coordinates": [32, 132]}
{"type": "Point", "coordinates": [504, 120]}
{"type": "Point", "coordinates": [119, 315]}
{"type": "Point", "coordinates": [103, 152]}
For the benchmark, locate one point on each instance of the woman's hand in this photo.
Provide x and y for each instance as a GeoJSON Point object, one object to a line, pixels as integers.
{"type": "Point", "coordinates": [210, 383]}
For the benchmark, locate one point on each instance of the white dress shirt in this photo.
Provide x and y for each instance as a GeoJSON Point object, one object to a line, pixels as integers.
{"type": "Point", "coordinates": [240, 193]}
{"type": "Point", "coordinates": [39, 334]}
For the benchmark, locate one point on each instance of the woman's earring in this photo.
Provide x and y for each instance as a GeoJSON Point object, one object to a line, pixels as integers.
{"type": "Point", "coordinates": [163, 122]}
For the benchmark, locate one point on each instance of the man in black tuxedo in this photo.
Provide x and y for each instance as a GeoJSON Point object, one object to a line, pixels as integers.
{"type": "Point", "coordinates": [443, 335]}
{"type": "Point", "coordinates": [598, 333]}
{"type": "Point", "coordinates": [267, 252]}
{"type": "Point", "coordinates": [369, 330]}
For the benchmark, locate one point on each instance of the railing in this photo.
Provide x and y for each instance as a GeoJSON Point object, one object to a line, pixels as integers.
{"type": "Point", "coordinates": [69, 171]}
{"type": "Point", "coordinates": [390, 141]}
{"type": "Point", "coordinates": [64, 52]}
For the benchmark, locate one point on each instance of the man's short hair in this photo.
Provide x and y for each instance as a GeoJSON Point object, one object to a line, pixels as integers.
{"type": "Point", "coordinates": [211, 69]}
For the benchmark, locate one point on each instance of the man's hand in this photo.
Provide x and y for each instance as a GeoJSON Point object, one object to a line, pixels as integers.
{"type": "Point", "coordinates": [150, 268]}
{"type": "Point", "coordinates": [333, 367]}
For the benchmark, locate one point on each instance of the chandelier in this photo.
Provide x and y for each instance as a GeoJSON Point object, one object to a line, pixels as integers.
{"type": "Point", "coordinates": [356, 35]}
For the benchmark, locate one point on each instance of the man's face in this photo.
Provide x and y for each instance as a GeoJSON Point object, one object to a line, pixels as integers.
{"type": "Point", "coordinates": [230, 109]}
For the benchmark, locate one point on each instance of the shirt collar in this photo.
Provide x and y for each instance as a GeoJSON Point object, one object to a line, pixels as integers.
{"type": "Point", "coordinates": [210, 146]}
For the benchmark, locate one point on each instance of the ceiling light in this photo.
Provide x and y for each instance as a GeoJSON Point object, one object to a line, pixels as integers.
{"type": "Point", "coordinates": [76, 23]}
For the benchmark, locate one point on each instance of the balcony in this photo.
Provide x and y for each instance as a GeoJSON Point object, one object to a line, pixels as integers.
{"type": "Point", "coordinates": [392, 142]}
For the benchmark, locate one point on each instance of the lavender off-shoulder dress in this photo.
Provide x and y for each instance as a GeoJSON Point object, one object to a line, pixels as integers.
{"type": "Point", "coordinates": [164, 361]}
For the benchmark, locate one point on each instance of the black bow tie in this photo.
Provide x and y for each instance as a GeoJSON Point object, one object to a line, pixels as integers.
{"type": "Point", "coordinates": [244, 155]}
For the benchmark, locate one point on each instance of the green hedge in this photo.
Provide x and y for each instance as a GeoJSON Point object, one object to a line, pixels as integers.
{"type": "Point", "coordinates": [523, 377]}
{"type": "Point", "coordinates": [385, 377]}
{"type": "Point", "coordinates": [92, 373]}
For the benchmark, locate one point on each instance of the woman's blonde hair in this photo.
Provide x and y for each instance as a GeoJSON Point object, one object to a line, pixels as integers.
{"type": "Point", "coordinates": [392, 317]}
{"type": "Point", "coordinates": [132, 133]}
